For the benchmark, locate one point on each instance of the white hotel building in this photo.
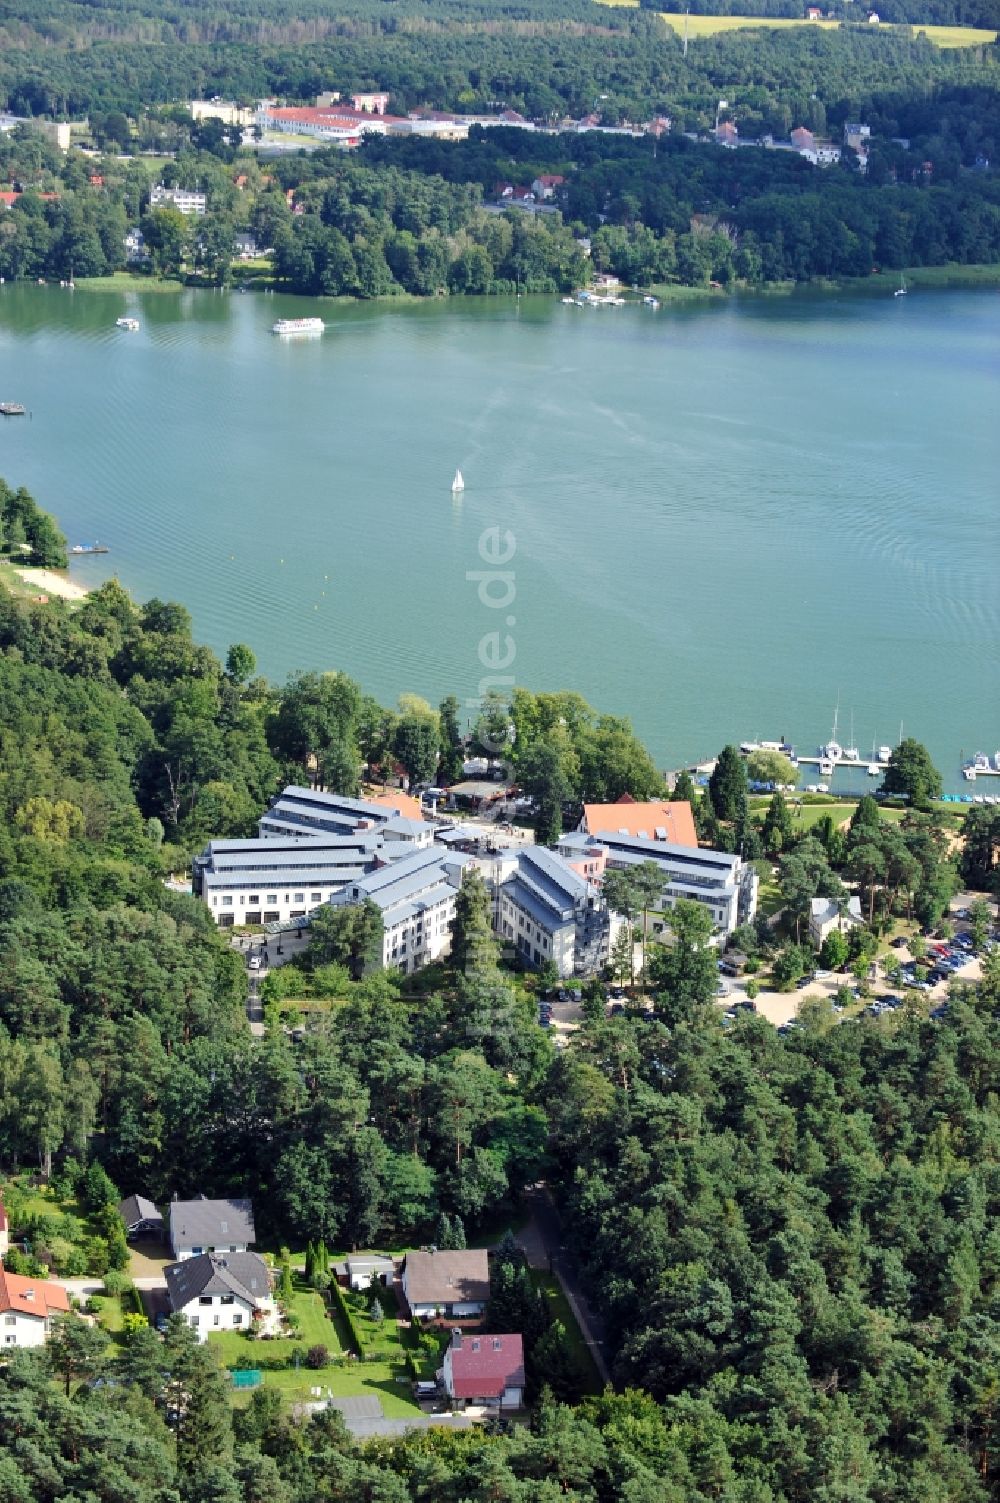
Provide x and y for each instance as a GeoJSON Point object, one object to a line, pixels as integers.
{"type": "Point", "coordinates": [416, 895]}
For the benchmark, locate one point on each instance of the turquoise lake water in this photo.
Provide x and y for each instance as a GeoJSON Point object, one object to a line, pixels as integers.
{"type": "Point", "coordinates": [723, 516]}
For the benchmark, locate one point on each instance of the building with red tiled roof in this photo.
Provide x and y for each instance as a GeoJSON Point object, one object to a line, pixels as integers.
{"type": "Point", "coordinates": [546, 184]}
{"type": "Point", "coordinates": [402, 803]}
{"type": "Point", "coordinates": [10, 196]}
{"type": "Point", "coordinates": [486, 1369]}
{"type": "Point", "coordinates": [26, 1307]}
{"type": "Point", "coordinates": [652, 821]}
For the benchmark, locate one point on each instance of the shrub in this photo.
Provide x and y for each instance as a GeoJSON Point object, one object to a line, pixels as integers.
{"type": "Point", "coordinates": [116, 1283]}
{"type": "Point", "coordinates": [317, 1356]}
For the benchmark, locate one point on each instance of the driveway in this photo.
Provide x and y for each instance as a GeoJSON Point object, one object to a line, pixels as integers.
{"type": "Point", "coordinates": [542, 1242]}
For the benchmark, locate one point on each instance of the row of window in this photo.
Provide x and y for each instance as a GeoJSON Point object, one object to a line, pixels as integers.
{"type": "Point", "coordinates": [195, 1320]}
{"type": "Point", "coordinates": [254, 898]}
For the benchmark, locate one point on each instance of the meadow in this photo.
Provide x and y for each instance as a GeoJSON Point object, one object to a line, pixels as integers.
{"type": "Point", "coordinates": [706, 26]}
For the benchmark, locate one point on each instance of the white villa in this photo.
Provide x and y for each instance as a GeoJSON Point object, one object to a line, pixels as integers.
{"type": "Point", "coordinates": [221, 1292]}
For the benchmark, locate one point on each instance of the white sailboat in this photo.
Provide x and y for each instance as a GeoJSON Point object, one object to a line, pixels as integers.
{"type": "Point", "coordinates": [873, 767]}
{"type": "Point", "coordinates": [458, 484]}
{"type": "Point", "coordinates": [901, 289]}
{"type": "Point", "coordinates": [851, 753]}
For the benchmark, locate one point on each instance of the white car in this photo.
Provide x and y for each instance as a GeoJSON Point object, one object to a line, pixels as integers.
{"type": "Point", "coordinates": [255, 962]}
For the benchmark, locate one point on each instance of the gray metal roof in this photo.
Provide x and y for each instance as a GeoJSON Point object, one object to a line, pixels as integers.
{"type": "Point", "coordinates": [206, 1223]}
{"type": "Point", "coordinates": [243, 1274]}
{"type": "Point", "coordinates": [319, 876]}
{"type": "Point", "coordinates": [663, 852]}
{"type": "Point", "coordinates": [545, 915]}
{"type": "Point", "coordinates": [310, 799]}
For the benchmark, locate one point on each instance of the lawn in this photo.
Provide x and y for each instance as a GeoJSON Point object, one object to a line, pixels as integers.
{"type": "Point", "coordinates": [345, 1376]}
{"type": "Point", "coordinates": [705, 26]}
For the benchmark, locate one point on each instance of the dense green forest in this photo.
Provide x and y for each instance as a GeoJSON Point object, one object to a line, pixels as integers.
{"type": "Point", "coordinates": [547, 62]}
{"type": "Point", "coordinates": [793, 1239]}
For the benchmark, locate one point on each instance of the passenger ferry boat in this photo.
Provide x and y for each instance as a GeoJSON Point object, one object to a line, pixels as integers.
{"type": "Point", "coordinates": [298, 326]}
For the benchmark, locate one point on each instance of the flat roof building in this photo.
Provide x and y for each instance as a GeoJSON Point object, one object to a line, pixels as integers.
{"type": "Point", "coordinates": [273, 880]}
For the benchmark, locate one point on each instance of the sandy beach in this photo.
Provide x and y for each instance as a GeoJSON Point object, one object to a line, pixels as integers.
{"type": "Point", "coordinates": [48, 582]}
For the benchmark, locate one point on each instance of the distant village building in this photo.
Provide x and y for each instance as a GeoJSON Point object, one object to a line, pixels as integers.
{"type": "Point", "coordinates": [135, 247]}
{"type": "Point", "coordinates": [546, 185]}
{"type": "Point", "coordinates": [185, 200]}
{"type": "Point", "coordinates": [857, 136]}
{"type": "Point", "coordinates": [726, 134]}
{"type": "Point", "coordinates": [227, 111]}
{"type": "Point", "coordinates": [814, 13]}
{"type": "Point", "coordinates": [802, 139]}
{"type": "Point", "coordinates": [370, 104]}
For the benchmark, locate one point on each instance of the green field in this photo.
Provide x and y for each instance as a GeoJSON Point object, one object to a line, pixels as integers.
{"type": "Point", "coordinates": [706, 26]}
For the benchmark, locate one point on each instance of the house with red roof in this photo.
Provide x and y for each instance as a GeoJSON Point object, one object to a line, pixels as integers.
{"type": "Point", "coordinates": [655, 820]}
{"type": "Point", "coordinates": [546, 184]}
{"type": "Point", "coordinates": [27, 1307]}
{"type": "Point", "coordinates": [487, 1370]}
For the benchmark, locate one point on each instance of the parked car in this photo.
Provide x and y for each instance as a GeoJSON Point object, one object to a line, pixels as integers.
{"type": "Point", "coordinates": [255, 963]}
{"type": "Point", "coordinates": [899, 943]}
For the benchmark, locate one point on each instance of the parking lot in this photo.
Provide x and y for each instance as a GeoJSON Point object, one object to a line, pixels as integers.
{"type": "Point", "coordinates": [781, 1008]}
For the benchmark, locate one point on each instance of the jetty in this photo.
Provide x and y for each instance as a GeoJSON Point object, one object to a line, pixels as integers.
{"type": "Point", "coordinates": [12, 409]}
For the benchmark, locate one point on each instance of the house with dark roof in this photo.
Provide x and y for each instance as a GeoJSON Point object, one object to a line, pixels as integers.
{"type": "Point", "coordinates": [485, 1370]}
{"type": "Point", "coordinates": [221, 1292]}
{"type": "Point", "coordinates": [210, 1226]}
{"type": "Point", "coordinates": [141, 1217]}
{"type": "Point", "coordinates": [451, 1284]}
{"type": "Point", "coordinates": [27, 1307]}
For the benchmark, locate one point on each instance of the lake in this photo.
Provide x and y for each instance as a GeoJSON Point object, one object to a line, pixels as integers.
{"type": "Point", "coordinates": [724, 517]}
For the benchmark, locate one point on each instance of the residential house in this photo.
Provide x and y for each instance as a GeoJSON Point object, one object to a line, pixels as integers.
{"type": "Point", "coordinates": [825, 916]}
{"type": "Point", "coordinates": [210, 1226]}
{"type": "Point", "coordinates": [487, 1370]}
{"type": "Point", "coordinates": [522, 196]}
{"type": "Point", "coordinates": [803, 139]}
{"type": "Point", "coordinates": [135, 247]}
{"type": "Point", "coordinates": [874, 19]}
{"type": "Point", "coordinates": [547, 184]}
{"type": "Point", "coordinates": [503, 191]}
{"type": "Point", "coordinates": [416, 897]}
{"type": "Point", "coordinates": [358, 1271]}
{"type": "Point", "coordinates": [726, 134]}
{"type": "Point", "coordinates": [141, 1217]}
{"type": "Point", "coordinates": [814, 13]}
{"type": "Point", "coordinates": [454, 1285]}
{"type": "Point", "coordinates": [27, 1307]}
{"type": "Point", "coordinates": [726, 884]}
{"type": "Point", "coordinates": [857, 136]}
{"type": "Point", "coordinates": [221, 1291]}
{"type": "Point", "coordinates": [245, 246]}
{"type": "Point", "coordinates": [271, 880]}
{"type": "Point", "coordinates": [550, 913]}
{"type": "Point", "coordinates": [185, 200]}
{"type": "Point", "coordinates": [654, 820]}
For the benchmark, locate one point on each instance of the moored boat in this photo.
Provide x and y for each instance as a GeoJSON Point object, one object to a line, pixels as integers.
{"type": "Point", "coordinates": [131, 324]}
